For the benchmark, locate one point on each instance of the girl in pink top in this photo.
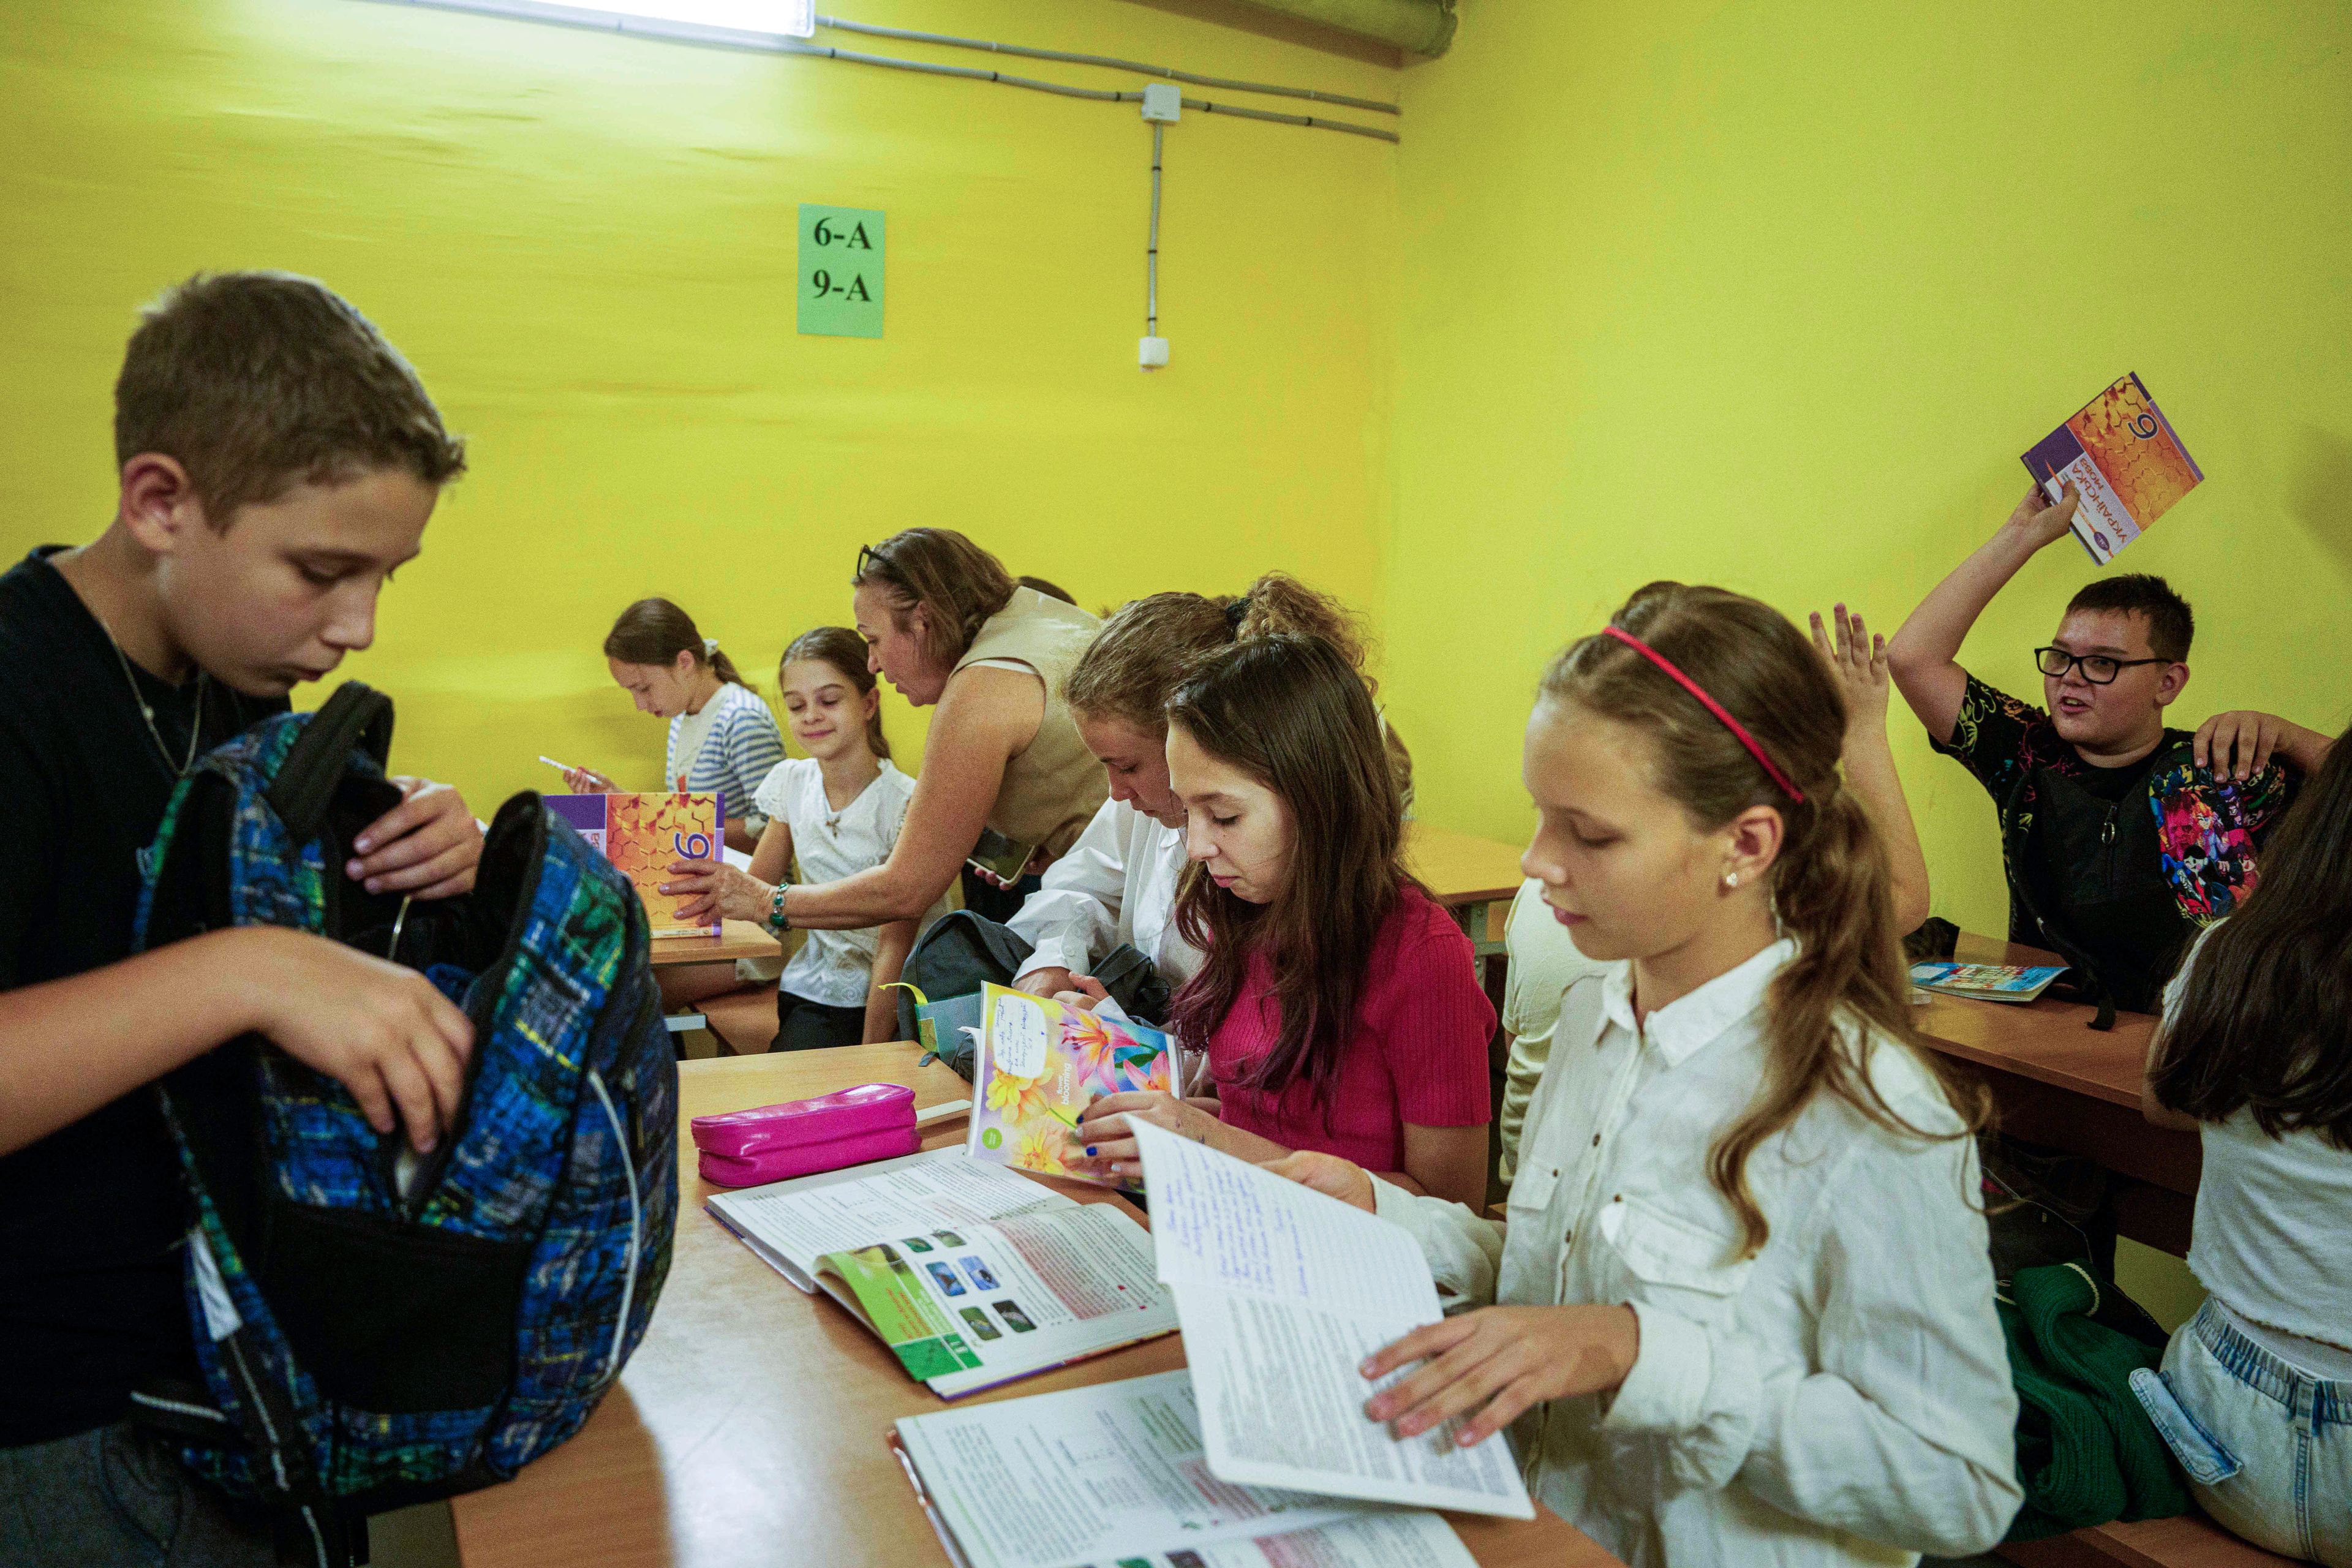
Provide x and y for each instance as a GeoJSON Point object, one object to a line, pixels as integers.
{"type": "Point", "coordinates": [1338, 1003]}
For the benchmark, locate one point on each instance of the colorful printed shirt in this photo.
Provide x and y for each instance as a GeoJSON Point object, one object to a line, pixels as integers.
{"type": "Point", "coordinates": [2207, 831]}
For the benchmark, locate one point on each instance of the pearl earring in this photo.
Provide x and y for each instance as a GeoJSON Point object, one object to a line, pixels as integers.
{"type": "Point", "coordinates": [1731, 879]}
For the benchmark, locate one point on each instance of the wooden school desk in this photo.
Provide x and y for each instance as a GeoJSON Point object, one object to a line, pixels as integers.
{"type": "Point", "coordinates": [1474, 878]}
{"type": "Point", "coordinates": [737, 939]}
{"type": "Point", "coordinates": [750, 1427]}
{"type": "Point", "coordinates": [2062, 1084]}
{"type": "Point", "coordinates": [1465, 874]}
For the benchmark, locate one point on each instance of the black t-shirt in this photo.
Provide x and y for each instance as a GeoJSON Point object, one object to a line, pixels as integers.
{"type": "Point", "coordinates": [2111, 784]}
{"type": "Point", "coordinates": [90, 1216]}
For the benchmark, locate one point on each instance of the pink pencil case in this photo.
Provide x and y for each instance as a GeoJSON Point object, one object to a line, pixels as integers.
{"type": "Point", "coordinates": [775, 1142]}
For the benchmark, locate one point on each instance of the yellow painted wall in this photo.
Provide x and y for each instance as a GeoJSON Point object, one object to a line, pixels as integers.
{"type": "Point", "coordinates": [1774, 295]}
{"type": "Point", "coordinates": [586, 244]}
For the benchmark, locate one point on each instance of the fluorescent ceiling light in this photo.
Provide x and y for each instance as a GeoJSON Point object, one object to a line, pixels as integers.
{"type": "Point", "coordinates": [795, 18]}
{"type": "Point", "coordinates": [714, 21]}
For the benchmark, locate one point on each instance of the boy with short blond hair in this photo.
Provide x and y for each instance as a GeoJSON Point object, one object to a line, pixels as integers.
{"type": "Point", "coordinates": [278, 461]}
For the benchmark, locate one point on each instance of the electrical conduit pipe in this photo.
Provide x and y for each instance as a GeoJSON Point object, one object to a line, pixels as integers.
{"type": "Point", "coordinates": [1424, 27]}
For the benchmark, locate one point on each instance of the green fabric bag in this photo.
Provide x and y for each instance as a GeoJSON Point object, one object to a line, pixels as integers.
{"type": "Point", "coordinates": [2085, 1451]}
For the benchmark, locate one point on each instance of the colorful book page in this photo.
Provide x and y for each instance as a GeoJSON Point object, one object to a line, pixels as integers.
{"type": "Point", "coordinates": [1994, 982]}
{"type": "Point", "coordinates": [902, 1312]}
{"type": "Point", "coordinates": [2124, 459]}
{"type": "Point", "coordinates": [1039, 1065]}
{"type": "Point", "coordinates": [641, 835]}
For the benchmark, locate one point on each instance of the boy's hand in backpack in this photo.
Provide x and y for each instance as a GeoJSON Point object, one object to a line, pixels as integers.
{"type": "Point", "coordinates": [382, 1032]}
{"type": "Point", "coordinates": [426, 847]}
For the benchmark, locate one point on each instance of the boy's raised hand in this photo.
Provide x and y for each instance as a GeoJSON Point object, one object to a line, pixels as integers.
{"type": "Point", "coordinates": [426, 847]}
{"type": "Point", "coordinates": [2043, 521]}
{"type": "Point", "coordinates": [382, 1032]}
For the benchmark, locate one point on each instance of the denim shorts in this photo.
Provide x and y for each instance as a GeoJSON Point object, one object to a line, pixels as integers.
{"type": "Point", "coordinates": [2267, 1446]}
{"type": "Point", "coordinates": [117, 1498]}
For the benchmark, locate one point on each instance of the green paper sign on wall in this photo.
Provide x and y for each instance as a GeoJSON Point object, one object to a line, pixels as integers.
{"type": "Point", "coordinates": [841, 272]}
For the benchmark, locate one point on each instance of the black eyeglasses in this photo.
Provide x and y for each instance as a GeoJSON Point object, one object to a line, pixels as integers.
{"type": "Point", "coordinates": [869, 556]}
{"type": "Point", "coordinates": [2097, 668]}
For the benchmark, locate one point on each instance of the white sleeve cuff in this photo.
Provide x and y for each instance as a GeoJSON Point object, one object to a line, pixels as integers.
{"type": "Point", "coordinates": [1464, 1252]}
{"type": "Point", "coordinates": [1394, 1204]}
{"type": "Point", "coordinates": [1056, 952]}
{"type": "Point", "coordinates": [1666, 1390]}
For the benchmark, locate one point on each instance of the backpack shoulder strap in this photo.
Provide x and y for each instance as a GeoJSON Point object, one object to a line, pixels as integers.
{"type": "Point", "coordinates": [355, 716]}
{"type": "Point", "coordinates": [2014, 846]}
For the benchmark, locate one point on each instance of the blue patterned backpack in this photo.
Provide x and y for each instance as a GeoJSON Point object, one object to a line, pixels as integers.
{"type": "Point", "coordinates": [375, 1330]}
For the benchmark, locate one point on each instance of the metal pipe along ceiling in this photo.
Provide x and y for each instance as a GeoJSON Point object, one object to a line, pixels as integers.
{"type": "Point", "coordinates": [1425, 26]}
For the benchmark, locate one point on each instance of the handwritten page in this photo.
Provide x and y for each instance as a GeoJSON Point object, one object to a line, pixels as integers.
{"type": "Point", "coordinates": [1222, 1222]}
{"type": "Point", "coordinates": [1282, 1292]}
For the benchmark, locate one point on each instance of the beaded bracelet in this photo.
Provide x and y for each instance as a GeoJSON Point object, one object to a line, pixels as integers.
{"type": "Point", "coordinates": [777, 921]}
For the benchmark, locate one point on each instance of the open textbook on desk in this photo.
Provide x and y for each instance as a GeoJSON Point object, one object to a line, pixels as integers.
{"type": "Point", "coordinates": [1282, 1293]}
{"type": "Point", "coordinates": [972, 1274]}
{"type": "Point", "coordinates": [1114, 1475]}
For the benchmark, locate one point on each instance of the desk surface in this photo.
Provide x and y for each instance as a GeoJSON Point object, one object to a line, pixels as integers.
{"type": "Point", "coordinates": [1461, 869]}
{"type": "Point", "coordinates": [2048, 1040]}
{"type": "Point", "coordinates": [750, 1427]}
{"type": "Point", "coordinates": [737, 939]}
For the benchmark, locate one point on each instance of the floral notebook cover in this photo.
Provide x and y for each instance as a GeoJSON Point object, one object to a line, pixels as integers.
{"type": "Point", "coordinates": [1040, 1064]}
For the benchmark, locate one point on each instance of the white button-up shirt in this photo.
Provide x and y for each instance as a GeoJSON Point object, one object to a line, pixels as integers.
{"type": "Point", "coordinates": [1118, 884]}
{"type": "Point", "coordinates": [1842, 1397]}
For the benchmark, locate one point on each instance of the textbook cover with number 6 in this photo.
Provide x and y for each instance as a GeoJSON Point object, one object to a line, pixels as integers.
{"type": "Point", "coordinates": [2123, 459]}
{"type": "Point", "coordinates": [641, 835]}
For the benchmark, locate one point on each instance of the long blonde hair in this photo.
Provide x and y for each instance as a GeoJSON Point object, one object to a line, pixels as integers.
{"type": "Point", "coordinates": [1831, 887]}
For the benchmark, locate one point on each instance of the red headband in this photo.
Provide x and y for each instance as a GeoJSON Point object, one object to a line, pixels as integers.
{"type": "Point", "coordinates": [1717, 708]}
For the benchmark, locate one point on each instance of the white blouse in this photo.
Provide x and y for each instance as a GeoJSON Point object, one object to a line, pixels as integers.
{"type": "Point", "coordinates": [836, 967]}
{"type": "Point", "coordinates": [1116, 884]}
{"type": "Point", "coordinates": [1842, 1397]}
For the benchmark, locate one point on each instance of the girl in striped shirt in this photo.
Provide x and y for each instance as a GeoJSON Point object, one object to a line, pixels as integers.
{"type": "Point", "coordinates": [722, 738]}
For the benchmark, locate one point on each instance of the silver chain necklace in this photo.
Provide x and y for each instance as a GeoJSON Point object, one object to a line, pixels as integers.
{"type": "Point", "coordinates": [147, 712]}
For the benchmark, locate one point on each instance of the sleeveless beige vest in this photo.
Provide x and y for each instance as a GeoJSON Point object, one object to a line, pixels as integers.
{"type": "Point", "coordinates": [1052, 789]}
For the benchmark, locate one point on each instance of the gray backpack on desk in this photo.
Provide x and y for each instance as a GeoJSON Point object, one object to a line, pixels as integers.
{"type": "Point", "coordinates": [939, 992]}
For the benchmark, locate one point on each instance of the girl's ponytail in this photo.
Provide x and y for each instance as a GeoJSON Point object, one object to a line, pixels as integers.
{"type": "Point", "coordinates": [656, 631]}
{"type": "Point", "coordinates": [1835, 900]}
{"type": "Point", "coordinates": [1278, 604]}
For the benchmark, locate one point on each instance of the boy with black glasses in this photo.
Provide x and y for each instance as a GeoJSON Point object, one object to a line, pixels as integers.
{"type": "Point", "coordinates": [2121, 837]}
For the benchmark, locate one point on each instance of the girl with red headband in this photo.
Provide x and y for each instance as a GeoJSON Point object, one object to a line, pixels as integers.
{"type": "Point", "coordinates": [1741, 1309]}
